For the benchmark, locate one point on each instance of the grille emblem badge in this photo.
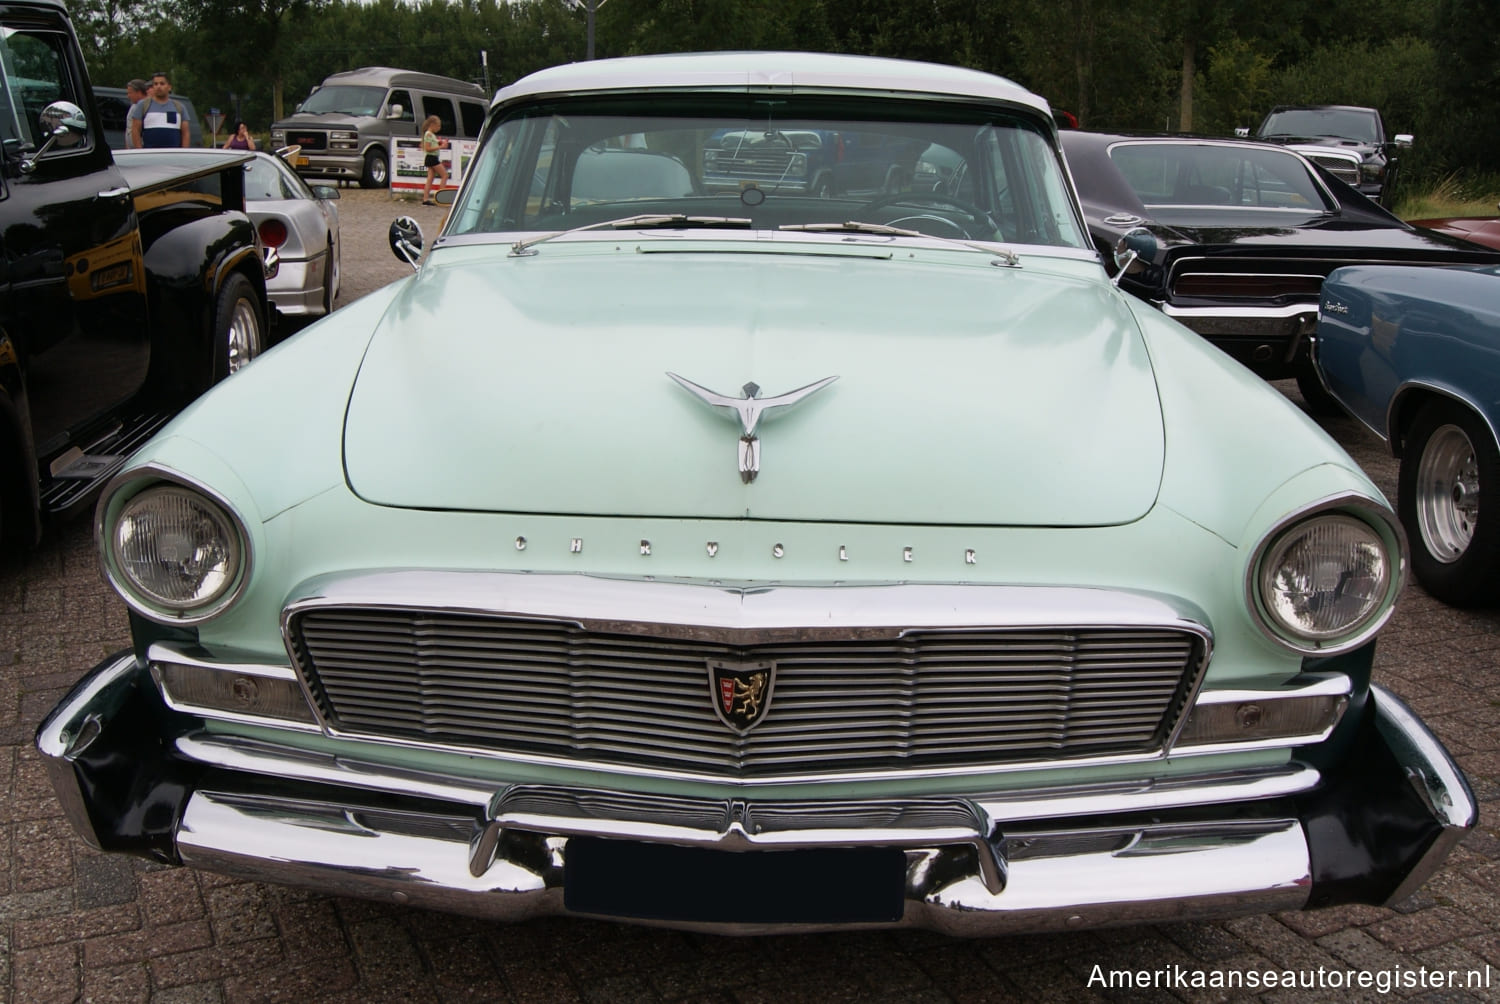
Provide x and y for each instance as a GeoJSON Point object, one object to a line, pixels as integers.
{"type": "Point", "coordinates": [750, 409]}
{"type": "Point", "coordinates": [740, 691]}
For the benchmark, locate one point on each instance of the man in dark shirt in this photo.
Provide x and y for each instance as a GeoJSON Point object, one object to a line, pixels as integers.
{"type": "Point", "coordinates": [158, 121]}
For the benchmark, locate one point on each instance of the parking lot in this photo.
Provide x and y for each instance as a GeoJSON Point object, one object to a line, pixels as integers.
{"type": "Point", "coordinates": [77, 925]}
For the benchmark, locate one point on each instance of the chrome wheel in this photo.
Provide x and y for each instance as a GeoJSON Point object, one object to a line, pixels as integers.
{"type": "Point", "coordinates": [242, 336]}
{"type": "Point", "coordinates": [1447, 493]}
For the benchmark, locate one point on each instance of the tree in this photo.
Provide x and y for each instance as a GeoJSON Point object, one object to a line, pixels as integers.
{"type": "Point", "coordinates": [238, 41]}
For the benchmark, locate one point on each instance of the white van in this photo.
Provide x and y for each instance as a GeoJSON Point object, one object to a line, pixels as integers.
{"type": "Point", "coordinates": [346, 124]}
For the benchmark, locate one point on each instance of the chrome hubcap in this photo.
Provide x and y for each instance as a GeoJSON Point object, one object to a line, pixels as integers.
{"type": "Point", "coordinates": [243, 337]}
{"type": "Point", "coordinates": [1447, 494]}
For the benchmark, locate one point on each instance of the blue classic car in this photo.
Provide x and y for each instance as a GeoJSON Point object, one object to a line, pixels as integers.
{"type": "Point", "coordinates": [747, 559]}
{"type": "Point", "coordinates": [1415, 355]}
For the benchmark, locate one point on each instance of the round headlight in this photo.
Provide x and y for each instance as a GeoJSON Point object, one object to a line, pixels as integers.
{"type": "Point", "coordinates": [1326, 580]}
{"type": "Point", "coordinates": [176, 550]}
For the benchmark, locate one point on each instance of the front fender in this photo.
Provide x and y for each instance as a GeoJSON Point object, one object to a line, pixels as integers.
{"type": "Point", "coordinates": [186, 266]}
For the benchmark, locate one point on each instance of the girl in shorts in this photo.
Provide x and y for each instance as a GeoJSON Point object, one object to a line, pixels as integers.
{"type": "Point", "coordinates": [431, 144]}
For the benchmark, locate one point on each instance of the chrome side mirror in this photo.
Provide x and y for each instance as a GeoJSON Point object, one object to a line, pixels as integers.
{"type": "Point", "coordinates": [1404, 140]}
{"type": "Point", "coordinates": [325, 193]}
{"type": "Point", "coordinates": [406, 240]}
{"type": "Point", "coordinates": [1242, 131]}
{"type": "Point", "coordinates": [63, 125]}
{"type": "Point", "coordinates": [1130, 249]}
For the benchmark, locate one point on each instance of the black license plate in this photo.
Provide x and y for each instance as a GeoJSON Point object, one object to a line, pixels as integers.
{"type": "Point", "coordinates": [835, 885]}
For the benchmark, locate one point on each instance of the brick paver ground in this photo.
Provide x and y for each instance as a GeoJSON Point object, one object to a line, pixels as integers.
{"type": "Point", "coordinates": [76, 925]}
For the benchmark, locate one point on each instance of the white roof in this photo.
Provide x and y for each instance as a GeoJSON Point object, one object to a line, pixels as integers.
{"type": "Point", "coordinates": [771, 71]}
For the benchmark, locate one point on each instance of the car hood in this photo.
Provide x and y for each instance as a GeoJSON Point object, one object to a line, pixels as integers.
{"type": "Point", "coordinates": [1348, 236]}
{"type": "Point", "coordinates": [322, 120]}
{"type": "Point", "coordinates": [966, 393]}
{"type": "Point", "coordinates": [1338, 142]}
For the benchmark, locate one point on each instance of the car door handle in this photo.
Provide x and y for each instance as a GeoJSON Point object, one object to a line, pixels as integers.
{"type": "Point", "coordinates": [114, 193]}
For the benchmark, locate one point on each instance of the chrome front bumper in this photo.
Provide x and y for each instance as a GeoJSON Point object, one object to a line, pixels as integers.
{"type": "Point", "coordinates": [1132, 851]}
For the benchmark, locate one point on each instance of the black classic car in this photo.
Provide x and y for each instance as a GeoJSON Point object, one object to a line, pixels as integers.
{"type": "Point", "coordinates": [1234, 238]}
{"type": "Point", "coordinates": [1347, 141]}
{"type": "Point", "coordinates": [125, 292]}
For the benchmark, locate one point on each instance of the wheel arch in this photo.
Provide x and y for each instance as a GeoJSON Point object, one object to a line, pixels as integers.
{"type": "Point", "coordinates": [1411, 397]}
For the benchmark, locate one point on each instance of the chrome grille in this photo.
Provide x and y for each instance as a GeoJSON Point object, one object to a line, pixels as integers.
{"type": "Point", "coordinates": [928, 697]}
{"type": "Point", "coordinates": [1341, 168]}
{"type": "Point", "coordinates": [756, 165]}
{"type": "Point", "coordinates": [307, 139]}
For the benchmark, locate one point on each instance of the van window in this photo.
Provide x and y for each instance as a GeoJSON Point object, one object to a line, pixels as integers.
{"type": "Point", "coordinates": [402, 98]}
{"type": "Point", "coordinates": [473, 116]}
{"type": "Point", "coordinates": [443, 109]}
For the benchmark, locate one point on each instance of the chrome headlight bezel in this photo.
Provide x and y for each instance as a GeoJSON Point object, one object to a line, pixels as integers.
{"type": "Point", "coordinates": [130, 487]}
{"type": "Point", "coordinates": [1381, 523]}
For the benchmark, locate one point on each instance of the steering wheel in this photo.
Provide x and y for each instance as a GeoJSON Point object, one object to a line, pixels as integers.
{"type": "Point", "coordinates": [931, 198]}
{"type": "Point", "coordinates": [915, 223]}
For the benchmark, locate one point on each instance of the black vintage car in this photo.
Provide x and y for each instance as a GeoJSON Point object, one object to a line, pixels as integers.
{"type": "Point", "coordinates": [123, 295]}
{"type": "Point", "coordinates": [1348, 141]}
{"type": "Point", "coordinates": [1234, 238]}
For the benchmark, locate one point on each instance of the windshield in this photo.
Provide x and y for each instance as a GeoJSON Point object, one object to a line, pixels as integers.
{"type": "Point", "coordinates": [268, 180]}
{"type": "Point", "coordinates": [1343, 123]}
{"type": "Point", "coordinates": [345, 99]}
{"type": "Point", "coordinates": [945, 171]}
{"type": "Point", "coordinates": [1217, 176]}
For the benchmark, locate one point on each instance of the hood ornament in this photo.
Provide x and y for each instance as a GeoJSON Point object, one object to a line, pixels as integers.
{"type": "Point", "coordinates": [750, 409]}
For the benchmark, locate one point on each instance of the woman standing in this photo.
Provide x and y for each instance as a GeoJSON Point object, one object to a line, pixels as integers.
{"type": "Point", "coordinates": [431, 144]}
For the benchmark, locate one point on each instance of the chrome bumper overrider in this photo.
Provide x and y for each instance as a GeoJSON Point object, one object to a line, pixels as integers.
{"type": "Point", "coordinates": [1128, 851]}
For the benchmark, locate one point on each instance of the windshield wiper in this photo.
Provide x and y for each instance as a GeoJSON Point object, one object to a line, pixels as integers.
{"type": "Point", "coordinates": [858, 227]}
{"type": "Point", "coordinates": [644, 221]}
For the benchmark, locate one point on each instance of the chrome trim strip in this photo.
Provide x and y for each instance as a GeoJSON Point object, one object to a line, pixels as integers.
{"type": "Point", "coordinates": [1214, 868]}
{"type": "Point", "coordinates": [168, 652]}
{"type": "Point", "coordinates": [1150, 794]}
{"type": "Point", "coordinates": [749, 614]}
{"type": "Point", "coordinates": [144, 477]}
{"type": "Point", "coordinates": [1436, 779]}
{"type": "Point", "coordinates": [1136, 794]}
{"type": "Point", "coordinates": [1372, 513]}
{"type": "Point", "coordinates": [1284, 312]}
{"type": "Point", "coordinates": [1321, 685]}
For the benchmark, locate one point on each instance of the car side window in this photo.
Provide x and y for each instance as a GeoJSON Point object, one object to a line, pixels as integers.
{"type": "Point", "coordinates": [36, 73]}
{"type": "Point", "coordinates": [472, 113]}
{"type": "Point", "coordinates": [402, 98]}
{"type": "Point", "coordinates": [112, 111]}
{"type": "Point", "coordinates": [443, 109]}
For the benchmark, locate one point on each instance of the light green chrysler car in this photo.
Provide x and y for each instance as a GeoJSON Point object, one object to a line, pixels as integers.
{"type": "Point", "coordinates": [759, 512]}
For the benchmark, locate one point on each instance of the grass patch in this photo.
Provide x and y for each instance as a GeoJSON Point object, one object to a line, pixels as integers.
{"type": "Point", "coordinates": [1452, 196]}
